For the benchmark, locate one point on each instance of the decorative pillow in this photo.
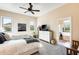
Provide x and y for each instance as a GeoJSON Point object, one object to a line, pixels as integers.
{"type": "Point", "coordinates": [7, 36]}
{"type": "Point", "coordinates": [2, 38]}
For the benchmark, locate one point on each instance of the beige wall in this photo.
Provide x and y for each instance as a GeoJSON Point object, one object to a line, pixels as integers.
{"type": "Point", "coordinates": [51, 18]}
{"type": "Point", "coordinates": [18, 18]}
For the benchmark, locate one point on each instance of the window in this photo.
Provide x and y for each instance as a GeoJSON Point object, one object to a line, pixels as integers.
{"type": "Point", "coordinates": [67, 25]}
{"type": "Point", "coordinates": [7, 24]}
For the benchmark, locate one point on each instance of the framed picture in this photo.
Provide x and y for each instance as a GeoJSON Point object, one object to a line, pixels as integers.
{"type": "Point", "coordinates": [21, 27]}
{"type": "Point", "coordinates": [32, 27]}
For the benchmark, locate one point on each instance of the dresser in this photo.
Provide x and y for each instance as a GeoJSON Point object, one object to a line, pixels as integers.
{"type": "Point", "coordinates": [45, 35]}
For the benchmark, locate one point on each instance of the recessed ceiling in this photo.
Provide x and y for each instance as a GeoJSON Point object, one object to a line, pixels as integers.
{"type": "Point", "coordinates": [43, 7]}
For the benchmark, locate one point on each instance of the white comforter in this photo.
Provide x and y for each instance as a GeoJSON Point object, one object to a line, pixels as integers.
{"type": "Point", "coordinates": [14, 47]}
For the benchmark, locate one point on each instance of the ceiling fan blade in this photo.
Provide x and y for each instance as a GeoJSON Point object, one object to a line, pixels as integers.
{"type": "Point", "coordinates": [25, 11]}
{"type": "Point", "coordinates": [36, 10]}
{"type": "Point", "coordinates": [32, 12]}
{"type": "Point", "coordinates": [23, 8]}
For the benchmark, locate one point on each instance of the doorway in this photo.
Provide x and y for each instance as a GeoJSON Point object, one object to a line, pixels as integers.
{"type": "Point", "coordinates": [65, 31]}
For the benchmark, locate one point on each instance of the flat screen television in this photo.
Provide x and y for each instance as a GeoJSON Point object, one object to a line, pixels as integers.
{"type": "Point", "coordinates": [44, 27]}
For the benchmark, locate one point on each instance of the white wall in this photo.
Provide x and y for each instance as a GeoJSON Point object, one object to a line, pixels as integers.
{"type": "Point", "coordinates": [25, 21]}
{"type": "Point", "coordinates": [51, 18]}
{"type": "Point", "coordinates": [18, 18]}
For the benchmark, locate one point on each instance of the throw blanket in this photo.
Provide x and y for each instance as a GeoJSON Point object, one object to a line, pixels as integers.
{"type": "Point", "coordinates": [31, 40]}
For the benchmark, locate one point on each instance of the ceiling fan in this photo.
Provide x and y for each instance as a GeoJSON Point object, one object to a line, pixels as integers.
{"type": "Point", "coordinates": [30, 9]}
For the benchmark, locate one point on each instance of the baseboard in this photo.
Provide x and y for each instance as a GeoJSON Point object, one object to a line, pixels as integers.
{"type": "Point", "coordinates": [45, 41]}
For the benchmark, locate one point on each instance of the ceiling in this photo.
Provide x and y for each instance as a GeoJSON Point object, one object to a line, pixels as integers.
{"type": "Point", "coordinates": [43, 7]}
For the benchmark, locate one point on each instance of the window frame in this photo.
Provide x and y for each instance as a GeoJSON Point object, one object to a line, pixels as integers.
{"type": "Point", "coordinates": [2, 17]}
